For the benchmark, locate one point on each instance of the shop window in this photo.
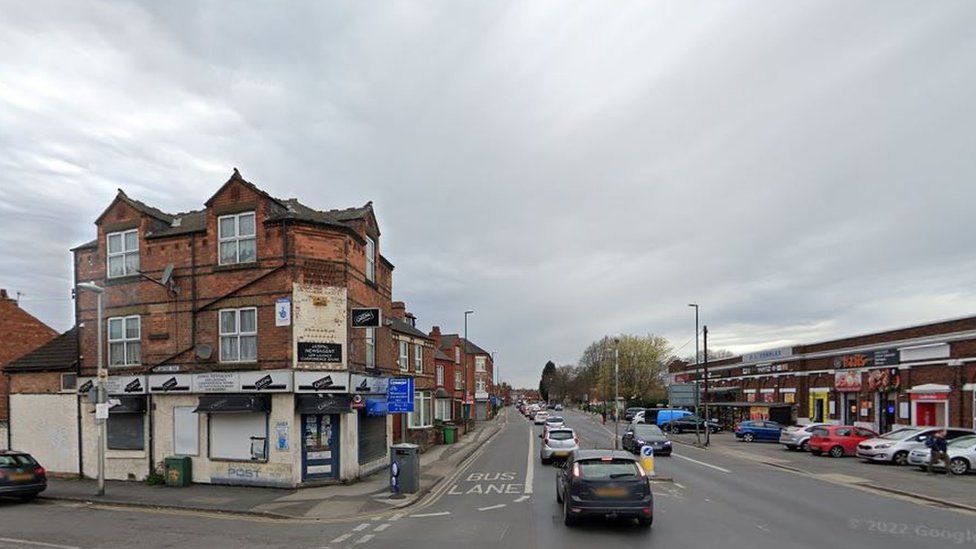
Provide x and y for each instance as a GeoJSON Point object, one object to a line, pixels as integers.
{"type": "Point", "coordinates": [186, 431]}
{"type": "Point", "coordinates": [126, 431]}
{"type": "Point", "coordinates": [237, 238]}
{"type": "Point", "coordinates": [239, 436]}
{"type": "Point", "coordinates": [123, 253]}
{"type": "Point", "coordinates": [124, 341]}
{"type": "Point", "coordinates": [420, 416]}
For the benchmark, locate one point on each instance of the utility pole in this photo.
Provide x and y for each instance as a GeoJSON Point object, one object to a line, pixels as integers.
{"type": "Point", "coordinates": [101, 396]}
{"type": "Point", "coordinates": [616, 392]}
{"type": "Point", "coordinates": [697, 428]}
{"type": "Point", "coordinates": [707, 430]}
{"type": "Point", "coordinates": [464, 364]}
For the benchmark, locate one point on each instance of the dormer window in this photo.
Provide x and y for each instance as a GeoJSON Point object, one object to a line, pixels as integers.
{"type": "Point", "coordinates": [123, 253]}
{"type": "Point", "coordinates": [237, 238]}
{"type": "Point", "coordinates": [370, 259]}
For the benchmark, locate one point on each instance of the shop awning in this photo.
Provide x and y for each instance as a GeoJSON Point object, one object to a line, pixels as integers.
{"type": "Point", "coordinates": [323, 403]}
{"type": "Point", "coordinates": [128, 405]}
{"type": "Point", "coordinates": [749, 404]}
{"type": "Point", "coordinates": [215, 404]}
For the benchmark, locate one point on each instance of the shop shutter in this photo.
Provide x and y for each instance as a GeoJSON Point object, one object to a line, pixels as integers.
{"type": "Point", "coordinates": [372, 437]}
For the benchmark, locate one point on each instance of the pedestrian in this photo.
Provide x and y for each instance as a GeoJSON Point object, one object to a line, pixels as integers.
{"type": "Point", "coordinates": [938, 450]}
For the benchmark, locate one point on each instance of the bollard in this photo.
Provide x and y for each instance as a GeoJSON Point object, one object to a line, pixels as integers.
{"type": "Point", "coordinates": [647, 460]}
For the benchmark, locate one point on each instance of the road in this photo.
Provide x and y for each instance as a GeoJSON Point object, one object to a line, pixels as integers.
{"type": "Point", "coordinates": [503, 496]}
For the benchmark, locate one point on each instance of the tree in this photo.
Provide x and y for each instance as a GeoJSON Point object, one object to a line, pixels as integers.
{"type": "Point", "coordinates": [713, 354]}
{"type": "Point", "coordinates": [642, 362]}
{"type": "Point", "coordinates": [548, 371]}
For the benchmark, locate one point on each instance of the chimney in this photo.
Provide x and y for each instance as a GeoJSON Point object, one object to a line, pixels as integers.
{"type": "Point", "coordinates": [435, 334]}
{"type": "Point", "coordinates": [399, 310]}
{"type": "Point", "coordinates": [411, 320]}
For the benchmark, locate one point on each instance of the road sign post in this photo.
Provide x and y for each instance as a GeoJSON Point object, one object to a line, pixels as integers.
{"type": "Point", "coordinates": [647, 460]}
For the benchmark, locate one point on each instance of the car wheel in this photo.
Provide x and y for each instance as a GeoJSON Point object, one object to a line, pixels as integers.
{"type": "Point", "coordinates": [900, 458]}
{"type": "Point", "coordinates": [568, 519]}
{"type": "Point", "coordinates": [714, 430]}
{"type": "Point", "coordinates": [791, 447]}
{"type": "Point", "coordinates": [645, 522]}
{"type": "Point", "coordinates": [958, 466]}
{"type": "Point", "coordinates": [748, 437]}
{"type": "Point", "coordinates": [805, 446]}
{"type": "Point", "coordinates": [27, 499]}
{"type": "Point", "coordinates": [545, 461]}
{"type": "Point", "coordinates": [559, 494]}
{"type": "Point", "coordinates": [816, 452]}
{"type": "Point", "coordinates": [836, 452]}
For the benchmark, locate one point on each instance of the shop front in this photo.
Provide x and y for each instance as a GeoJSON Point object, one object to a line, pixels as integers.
{"type": "Point", "coordinates": [847, 383]}
{"type": "Point", "coordinates": [319, 417]}
{"type": "Point", "coordinates": [820, 411]}
{"type": "Point", "coordinates": [930, 405]}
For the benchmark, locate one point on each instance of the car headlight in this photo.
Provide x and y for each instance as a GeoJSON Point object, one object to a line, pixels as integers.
{"type": "Point", "coordinates": [667, 443]}
{"type": "Point", "coordinates": [640, 442]}
{"type": "Point", "coordinates": [882, 446]}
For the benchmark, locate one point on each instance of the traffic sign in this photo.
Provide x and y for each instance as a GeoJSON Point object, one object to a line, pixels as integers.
{"type": "Point", "coordinates": [399, 395]}
{"type": "Point", "coordinates": [647, 460]}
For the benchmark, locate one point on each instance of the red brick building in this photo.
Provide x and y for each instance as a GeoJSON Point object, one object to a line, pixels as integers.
{"type": "Point", "coordinates": [22, 333]}
{"type": "Point", "coordinates": [473, 375]}
{"type": "Point", "coordinates": [918, 375]}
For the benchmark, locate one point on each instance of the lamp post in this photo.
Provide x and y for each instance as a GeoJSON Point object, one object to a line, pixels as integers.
{"type": "Point", "coordinates": [616, 392]}
{"type": "Point", "coordinates": [697, 415]}
{"type": "Point", "coordinates": [100, 396]}
{"type": "Point", "coordinates": [464, 364]}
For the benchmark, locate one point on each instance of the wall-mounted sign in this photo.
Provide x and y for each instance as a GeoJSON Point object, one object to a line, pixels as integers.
{"type": "Point", "coordinates": [366, 318]}
{"type": "Point", "coordinates": [216, 382]}
{"type": "Point", "coordinates": [867, 359]}
{"type": "Point", "coordinates": [767, 368]}
{"type": "Point", "coordinates": [116, 385]}
{"type": "Point", "coordinates": [847, 381]}
{"type": "Point", "coordinates": [174, 383]}
{"type": "Point", "coordinates": [399, 395]}
{"type": "Point", "coordinates": [319, 352]}
{"type": "Point", "coordinates": [370, 385]}
{"type": "Point", "coordinates": [321, 382]}
{"type": "Point", "coordinates": [266, 381]}
{"type": "Point", "coordinates": [768, 355]}
{"type": "Point", "coordinates": [886, 379]}
{"type": "Point", "coordinates": [283, 311]}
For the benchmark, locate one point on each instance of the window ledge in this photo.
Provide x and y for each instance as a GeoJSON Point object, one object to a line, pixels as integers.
{"type": "Point", "coordinates": [237, 266]}
{"type": "Point", "coordinates": [125, 454]}
{"type": "Point", "coordinates": [125, 279]}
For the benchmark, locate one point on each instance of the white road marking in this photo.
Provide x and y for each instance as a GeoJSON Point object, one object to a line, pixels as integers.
{"type": "Point", "coordinates": [361, 527]}
{"type": "Point", "coordinates": [377, 518]}
{"type": "Point", "coordinates": [530, 463]}
{"type": "Point", "coordinates": [396, 517]}
{"type": "Point", "coordinates": [716, 467]}
{"type": "Point", "coordinates": [38, 543]}
{"type": "Point", "coordinates": [382, 527]}
{"type": "Point", "coordinates": [520, 499]}
{"type": "Point", "coordinates": [679, 485]}
{"type": "Point", "coordinates": [422, 515]}
{"type": "Point", "coordinates": [490, 507]}
{"type": "Point", "coordinates": [364, 539]}
{"type": "Point", "coordinates": [341, 538]}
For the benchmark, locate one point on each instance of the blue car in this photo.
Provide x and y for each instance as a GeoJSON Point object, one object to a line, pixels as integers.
{"type": "Point", "coordinates": [758, 430]}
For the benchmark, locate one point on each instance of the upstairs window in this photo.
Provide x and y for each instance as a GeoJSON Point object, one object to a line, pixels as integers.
{"type": "Point", "coordinates": [237, 238]}
{"type": "Point", "coordinates": [440, 376]}
{"type": "Point", "coordinates": [370, 259]}
{"type": "Point", "coordinates": [370, 347]}
{"type": "Point", "coordinates": [458, 385]}
{"type": "Point", "coordinates": [479, 363]}
{"type": "Point", "coordinates": [239, 335]}
{"type": "Point", "coordinates": [123, 253]}
{"type": "Point", "coordinates": [418, 358]}
{"type": "Point", "coordinates": [457, 355]}
{"type": "Point", "coordinates": [404, 360]}
{"type": "Point", "coordinates": [124, 341]}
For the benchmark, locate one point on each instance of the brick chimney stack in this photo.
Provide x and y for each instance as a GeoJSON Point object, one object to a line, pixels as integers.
{"type": "Point", "coordinates": [399, 310]}
{"type": "Point", "coordinates": [435, 334]}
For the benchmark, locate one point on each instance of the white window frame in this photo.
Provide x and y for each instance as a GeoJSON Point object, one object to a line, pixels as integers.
{"type": "Point", "coordinates": [458, 382]}
{"type": "Point", "coordinates": [404, 360]}
{"type": "Point", "coordinates": [125, 340]}
{"type": "Point", "coordinates": [237, 238]}
{"type": "Point", "coordinates": [442, 409]}
{"type": "Point", "coordinates": [69, 387]}
{"type": "Point", "coordinates": [217, 453]}
{"type": "Point", "coordinates": [370, 259]}
{"type": "Point", "coordinates": [480, 385]}
{"type": "Point", "coordinates": [480, 364]}
{"type": "Point", "coordinates": [418, 358]}
{"type": "Point", "coordinates": [420, 418]}
{"type": "Point", "coordinates": [237, 334]}
{"type": "Point", "coordinates": [122, 253]}
{"type": "Point", "coordinates": [457, 355]}
{"type": "Point", "coordinates": [440, 375]}
{"type": "Point", "coordinates": [370, 347]}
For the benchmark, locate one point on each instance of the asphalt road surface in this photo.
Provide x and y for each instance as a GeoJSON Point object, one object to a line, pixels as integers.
{"type": "Point", "coordinates": [504, 497]}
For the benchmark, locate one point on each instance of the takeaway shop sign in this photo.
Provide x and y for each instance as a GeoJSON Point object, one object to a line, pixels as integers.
{"type": "Point", "coordinates": [765, 369]}
{"type": "Point", "coordinates": [868, 359]}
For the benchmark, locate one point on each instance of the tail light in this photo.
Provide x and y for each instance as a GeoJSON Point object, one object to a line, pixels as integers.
{"type": "Point", "coordinates": [576, 470]}
{"type": "Point", "coordinates": [39, 471]}
{"type": "Point", "coordinates": [576, 439]}
{"type": "Point", "coordinates": [545, 440]}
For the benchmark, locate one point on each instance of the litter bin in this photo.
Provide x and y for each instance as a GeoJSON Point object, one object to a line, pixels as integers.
{"type": "Point", "coordinates": [405, 468]}
{"type": "Point", "coordinates": [450, 434]}
{"type": "Point", "coordinates": [179, 471]}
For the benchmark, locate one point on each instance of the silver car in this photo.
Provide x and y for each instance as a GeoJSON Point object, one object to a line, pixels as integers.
{"type": "Point", "coordinates": [558, 443]}
{"type": "Point", "coordinates": [895, 446]}
{"type": "Point", "coordinates": [962, 456]}
{"type": "Point", "coordinates": [797, 436]}
{"type": "Point", "coordinates": [540, 417]}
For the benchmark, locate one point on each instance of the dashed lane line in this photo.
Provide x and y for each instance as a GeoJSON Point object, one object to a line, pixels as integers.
{"type": "Point", "coordinates": [364, 539]}
{"type": "Point", "coordinates": [520, 499]}
{"type": "Point", "coordinates": [361, 527]}
{"type": "Point", "coordinates": [382, 527]}
{"type": "Point", "coordinates": [396, 517]}
{"type": "Point", "coordinates": [530, 463]}
{"type": "Point", "coordinates": [37, 543]}
{"type": "Point", "coordinates": [341, 538]}
{"type": "Point", "coordinates": [702, 463]}
{"type": "Point", "coordinates": [490, 507]}
{"type": "Point", "coordinates": [424, 515]}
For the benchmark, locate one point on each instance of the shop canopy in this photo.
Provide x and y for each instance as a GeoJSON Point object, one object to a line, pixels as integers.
{"type": "Point", "coordinates": [323, 403]}
{"type": "Point", "coordinates": [749, 404]}
{"type": "Point", "coordinates": [211, 404]}
{"type": "Point", "coordinates": [129, 405]}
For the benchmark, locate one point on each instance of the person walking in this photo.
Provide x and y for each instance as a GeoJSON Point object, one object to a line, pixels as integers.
{"type": "Point", "coordinates": [938, 450]}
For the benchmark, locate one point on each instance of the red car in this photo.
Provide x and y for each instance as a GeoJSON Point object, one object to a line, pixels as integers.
{"type": "Point", "coordinates": [838, 440]}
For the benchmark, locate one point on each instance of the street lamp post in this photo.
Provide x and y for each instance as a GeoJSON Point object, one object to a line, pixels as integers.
{"type": "Point", "coordinates": [697, 415]}
{"type": "Point", "coordinates": [616, 392]}
{"type": "Point", "coordinates": [100, 396]}
{"type": "Point", "coordinates": [464, 364]}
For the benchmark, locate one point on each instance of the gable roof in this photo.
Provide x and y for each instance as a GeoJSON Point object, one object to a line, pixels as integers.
{"type": "Point", "coordinates": [404, 328]}
{"type": "Point", "coordinates": [141, 207]}
{"type": "Point", "coordinates": [441, 355]}
{"type": "Point", "coordinates": [236, 177]}
{"type": "Point", "coordinates": [448, 341]}
{"type": "Point", "coordinates": [59, 354]}
{"type": "Point", "coordinates": [182, 223]}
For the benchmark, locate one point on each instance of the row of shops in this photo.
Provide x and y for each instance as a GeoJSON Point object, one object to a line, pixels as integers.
{"type": "Point", "coordinates": [922, 375]}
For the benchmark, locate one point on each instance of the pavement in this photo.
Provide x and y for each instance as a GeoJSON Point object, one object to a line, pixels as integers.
{"type": "Point", "coordinates": [501, 495]}
{"type": "Point", "coordinates": [332, 502]}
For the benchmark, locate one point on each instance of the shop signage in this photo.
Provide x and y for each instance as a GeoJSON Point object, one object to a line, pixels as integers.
{"type": "Point", "coordinates": [847, 381]}
{"type": "Point", "coordinates": [768, 355]}
{"type": "Point", "coordinates": [358, 402]}
{"type": "Point", "coordinates": [885, 379]}
{"type": "Point", "coordinates": [368, 385]}
{"type": "Point", "coordinates": [283, 311]}
{"type": "Point", "coordinates": [175, 383]}
{"type": "Point", "coordinates": [366, 318]}
{"type": "Point", "coordinates": [321, 382]}
{"type": "Point", "coordinates": [879, 357]}
{"type": "Point", "coordinates": [116, 385]}
{"type": "Point", "coordinates": [266, 381]}
{"type": "Point", "coordinates": [930, 396]}
{"type": "Point", "coordinates": [399, 395]}
{"type": "Point", "coordinates": [216, 382]}
{"type": "Point", "coordinates": [309, 351]}
{"type": "Point", "coordinates": [481, 395]}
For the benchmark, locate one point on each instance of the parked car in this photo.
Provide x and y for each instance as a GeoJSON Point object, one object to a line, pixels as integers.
{"type": "Point", "coordinates": [552, 422]}
{"type": "Point", "coordinates": [796, 437]}
{"type": "Point", "coordinates": [604, 483]}
{"type": "Point", "coordinates": [558, 408]}
{"type": "Point", "coordinates": [962, 456]}
{"type": "Point", "coordinates": [689, 423]}
{"type": "Point", "coordinates": [665, 415]}
{"type": "Point", "coordinates": [641, 435]}
{"type": "Point", "coordinates": [758, 430]}
{"type": "Point", "coordinates": [21, 476]}
{"type": "Point", "coordinates": [558, 443]}
{"type": "Point", "coordinates": [838, 440]}
{"type": "Point", "coordinates": [630, 412]}
{"type": "Point", "coordinates": [894, 447]}
{"type": "Point", "coordinates": [540, 417]}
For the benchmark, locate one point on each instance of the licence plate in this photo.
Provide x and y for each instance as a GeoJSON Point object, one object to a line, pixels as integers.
{"type": "Point", "coordinates": [21, 477]}
{"type": "Point", "coordinates": [615, 492]}
{"type": "Point", "coordinates": [560, 454]}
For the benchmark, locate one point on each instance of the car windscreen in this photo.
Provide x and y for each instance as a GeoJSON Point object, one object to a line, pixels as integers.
{"type": "Point", "coordinates": [963, 442]}
{"type": "Point", "coordinates": [599, 469]}
{"type": "Point", "coordinates": [647, 431]}
{"type": "Point", "coordinates": [16, 460]}
{"type": "Point", "coordinates": [560, 435]}
{"type": "Point", "coordinates": [554, 419]}
{"type": "Point", "coordinates": [820, 432]}
{"type": "Point", "coordinates": [900, 434]}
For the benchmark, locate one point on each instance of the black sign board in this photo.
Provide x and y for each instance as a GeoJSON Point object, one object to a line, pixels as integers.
{"type": "Point", "coordinates": [867, 359]}
{"type": "Point", "coordinates": [366, 318]}
{"type": "Point", "coordinates": [323, 404]}
{"type": "Point", "coordinates": [325, 383]}
{"type": "Point", "coordinates": [319, 352]}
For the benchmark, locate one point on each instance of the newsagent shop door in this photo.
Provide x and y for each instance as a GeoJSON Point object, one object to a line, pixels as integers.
{"type": "Point", "coordinates": [320, 446]}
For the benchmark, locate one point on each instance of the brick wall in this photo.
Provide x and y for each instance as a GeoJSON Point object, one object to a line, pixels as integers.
{"type": "Point", "coordinates": [20, 333]}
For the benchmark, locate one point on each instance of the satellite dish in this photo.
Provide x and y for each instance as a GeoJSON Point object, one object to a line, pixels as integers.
{"type": "Point", "coordinates": [167, 275]}
{"type": "Point", "coordinates": [204, 351]}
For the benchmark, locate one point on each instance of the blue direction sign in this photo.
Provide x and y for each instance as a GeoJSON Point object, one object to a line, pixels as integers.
{"type": "Point", "coordinates": [399, 395]}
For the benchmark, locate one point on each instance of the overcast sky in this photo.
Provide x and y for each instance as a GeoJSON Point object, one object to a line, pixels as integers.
{"type": "Point", "coordinates": [803, 170]}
